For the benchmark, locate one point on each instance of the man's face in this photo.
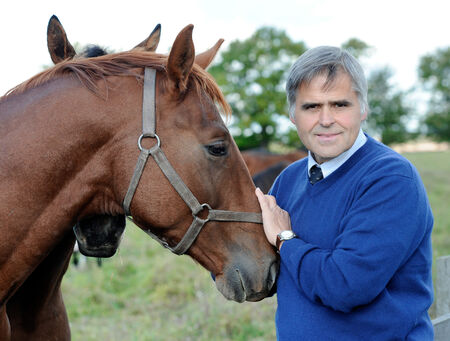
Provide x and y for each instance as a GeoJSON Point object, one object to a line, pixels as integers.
{"type": "Point", "coordinates": [328, 119]}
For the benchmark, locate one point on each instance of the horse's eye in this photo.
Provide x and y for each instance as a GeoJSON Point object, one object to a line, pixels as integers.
{"type": "Point", "coordinates": [217, 148]}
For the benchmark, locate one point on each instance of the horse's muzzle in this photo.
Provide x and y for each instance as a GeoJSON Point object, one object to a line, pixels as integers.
{"type": "Point", "coordinates": [247, 281]}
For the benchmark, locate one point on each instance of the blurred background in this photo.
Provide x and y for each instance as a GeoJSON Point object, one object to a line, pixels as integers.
{"type": "Point", "coordinates": [145, 292]}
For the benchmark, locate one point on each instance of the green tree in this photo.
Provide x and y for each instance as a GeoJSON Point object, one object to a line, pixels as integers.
{"type": "Point", "coordinates": [357, 48]}
{"type": "Point", "coordinates": [252, 74]}
{"type": "Point", "coordinates": [389, 113]}
{"type": "Point", "coordinates": [434, 73]}
{"type": "Point", "coordinates": [388, 110]}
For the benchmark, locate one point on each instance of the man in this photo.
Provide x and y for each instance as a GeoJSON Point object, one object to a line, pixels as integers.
{"type": "Point", "coordinates": [351, 221]}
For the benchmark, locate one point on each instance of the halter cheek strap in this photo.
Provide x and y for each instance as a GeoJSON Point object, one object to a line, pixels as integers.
{"type": "Point", "coordinates": [149, 131]}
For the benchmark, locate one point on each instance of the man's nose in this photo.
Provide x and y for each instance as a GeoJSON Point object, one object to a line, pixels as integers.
{"type": "Point", "coordinates": [326, 117]}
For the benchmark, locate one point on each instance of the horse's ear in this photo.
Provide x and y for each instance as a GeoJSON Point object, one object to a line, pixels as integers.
{"type": "Point", "coordinates": [57, 42]}
{"type": "Point", "coordinates": [205, 58]}
{"type": "Point", "coordinates": [181, 59]}
{"type": "Point", "coordinates": [151, 43]}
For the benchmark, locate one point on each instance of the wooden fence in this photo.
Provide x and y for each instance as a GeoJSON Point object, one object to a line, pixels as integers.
{"type": "Point", "coordinates": [441, 324]}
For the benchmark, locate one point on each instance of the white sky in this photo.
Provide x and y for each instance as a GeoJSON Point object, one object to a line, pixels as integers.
{"type": "Point", "coordinates": [400, 31]}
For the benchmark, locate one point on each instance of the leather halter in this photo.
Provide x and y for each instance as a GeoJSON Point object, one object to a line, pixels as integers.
{"type": "Point", "coordinates": [149, 130]}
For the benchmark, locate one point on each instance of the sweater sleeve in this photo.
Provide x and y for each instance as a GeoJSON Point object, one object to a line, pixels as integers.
{"type": "Point", "coordinates": [384, 225]}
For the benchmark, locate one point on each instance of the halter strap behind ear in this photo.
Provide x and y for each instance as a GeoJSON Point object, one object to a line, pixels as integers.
{"type": "Point", "coordinates": [149, 103]}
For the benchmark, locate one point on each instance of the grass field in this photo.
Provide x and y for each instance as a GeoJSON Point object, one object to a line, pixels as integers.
{"type": "Point", "coordinates": [146, 293]}
{"type": "Point", "coordinates": [434, 169]}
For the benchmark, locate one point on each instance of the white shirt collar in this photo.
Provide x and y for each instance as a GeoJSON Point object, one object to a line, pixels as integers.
{"type": "Point", "coordinates": [329, 167]}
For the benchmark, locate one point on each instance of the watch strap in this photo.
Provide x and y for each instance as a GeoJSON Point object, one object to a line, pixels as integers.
{"type": "Point", "coordinates": [278, 243]}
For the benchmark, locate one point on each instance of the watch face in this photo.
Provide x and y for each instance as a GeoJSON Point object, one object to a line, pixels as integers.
{"type": "Point", "coordinates": [287, 235]}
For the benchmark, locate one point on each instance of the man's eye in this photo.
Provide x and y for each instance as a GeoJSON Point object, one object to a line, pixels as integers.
{"type": "Point", "coordinates": [341, 104]}
{"type": "Point", "coordinates": [312, 107]}
{"type": "Point", "coordinates": [217, 149]}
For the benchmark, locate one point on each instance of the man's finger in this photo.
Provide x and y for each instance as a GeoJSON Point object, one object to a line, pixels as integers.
{"type": "Point", "coordinates": [271, 201]}
{"type": "Point", "coordinates": [261, 197]}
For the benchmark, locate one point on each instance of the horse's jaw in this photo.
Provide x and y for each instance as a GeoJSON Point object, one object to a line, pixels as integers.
{"type": "Point", "coordinates": [240, 283]}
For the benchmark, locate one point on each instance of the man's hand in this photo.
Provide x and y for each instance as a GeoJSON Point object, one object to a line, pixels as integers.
{"type": "Point", "coordinates": [275, 219]}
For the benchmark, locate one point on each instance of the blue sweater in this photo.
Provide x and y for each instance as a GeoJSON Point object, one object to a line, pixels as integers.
{"type": "Point", "coordinates": [361, 267]}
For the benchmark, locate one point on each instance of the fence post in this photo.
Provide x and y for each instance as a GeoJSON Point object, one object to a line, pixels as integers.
{"type": "Point", "coordinates": [442, 298]}
{"type": "Point", "coordinates": [441, 324]}
{"type": "Point", "coordinates": [441, 327]}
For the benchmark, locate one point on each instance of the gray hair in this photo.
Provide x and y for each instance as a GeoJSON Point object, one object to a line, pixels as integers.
{"type": "Point", "coordinates": [326, 60]}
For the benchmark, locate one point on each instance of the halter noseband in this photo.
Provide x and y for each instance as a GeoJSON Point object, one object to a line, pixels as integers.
{"type": "Point", "coordinates": [149, 130]}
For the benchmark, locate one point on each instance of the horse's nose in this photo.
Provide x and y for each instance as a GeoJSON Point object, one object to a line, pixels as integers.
{"type": "Point", "coordinates": [268, 284]}
{"type": "Point", "coordinates": [247, 278]}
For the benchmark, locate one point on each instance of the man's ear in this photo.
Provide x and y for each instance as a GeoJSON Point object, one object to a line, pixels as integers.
{"type": "Point", "coordinates": [292, 118]}
{"type": "Point", "coordinates": [364, 116]}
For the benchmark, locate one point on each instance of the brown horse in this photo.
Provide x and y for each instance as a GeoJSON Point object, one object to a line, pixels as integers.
{"type": "Point", "coordinates": [68, 138]}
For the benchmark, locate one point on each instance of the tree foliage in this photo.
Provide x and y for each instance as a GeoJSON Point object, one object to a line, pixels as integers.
{"type": "Point", "coordinates": [388, 110]}
{"type": "Point", "coordinates": [357, 48]}
{"type": "Point", "coordinates": [434, 73]}
{"type": "Point", "coordinates": [252, 74]}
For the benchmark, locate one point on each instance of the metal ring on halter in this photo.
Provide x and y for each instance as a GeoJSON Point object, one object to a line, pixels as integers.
{"type": "Point", "coordinates": [158, 141]}
{"type": "Point", "coordinates": [203, 207]}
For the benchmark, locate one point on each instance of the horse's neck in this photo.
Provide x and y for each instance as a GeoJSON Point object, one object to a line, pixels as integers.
{"type": "Point", "coordinates": [40, 295]}
{"type": "Point", "coordinates": [49, 140]}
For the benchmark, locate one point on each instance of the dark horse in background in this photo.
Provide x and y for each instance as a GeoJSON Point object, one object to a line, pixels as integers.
{"type": "Point", "coordinates": [265, 166]}
{"type": "Point", "coordinates": [69, 142]}
{"type": "Point", "coordinates": [265, 179]}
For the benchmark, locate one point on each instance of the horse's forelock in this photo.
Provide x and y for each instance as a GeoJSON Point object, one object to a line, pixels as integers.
{"type": "Point", "coordinates": [206, 82]}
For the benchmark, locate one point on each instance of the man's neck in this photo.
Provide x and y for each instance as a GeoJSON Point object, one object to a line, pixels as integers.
{"type": "Point", "coordinates": [331, 165]}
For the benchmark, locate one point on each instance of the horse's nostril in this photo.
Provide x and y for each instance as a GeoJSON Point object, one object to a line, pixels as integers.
{"type": "Point", "coordinates": [273, 272]}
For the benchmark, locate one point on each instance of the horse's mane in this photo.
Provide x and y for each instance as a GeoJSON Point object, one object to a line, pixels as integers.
{"type": "Point", "coordinates": [89, 71]}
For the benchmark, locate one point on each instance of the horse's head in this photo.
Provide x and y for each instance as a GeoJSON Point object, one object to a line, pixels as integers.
{"type": "Point", "coordinates": [201, 150]}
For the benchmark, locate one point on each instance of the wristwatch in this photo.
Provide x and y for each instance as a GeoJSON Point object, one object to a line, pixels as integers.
{"type": "Point", "coordinates": [284, 235]}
